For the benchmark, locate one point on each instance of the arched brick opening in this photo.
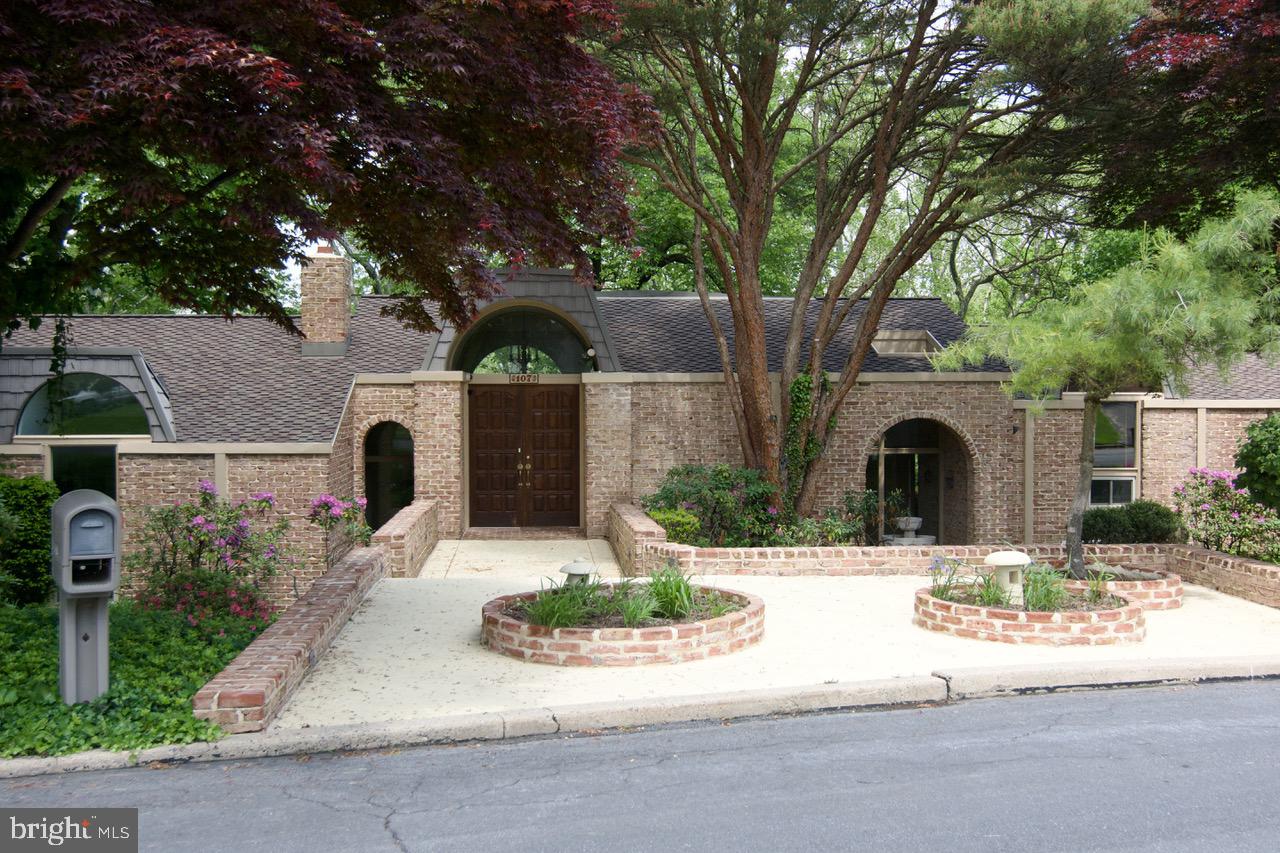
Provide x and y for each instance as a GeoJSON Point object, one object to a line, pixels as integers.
{"type": "Point", "coordinates": [386, 467]}
{"type": "Point", "coordinates": [933, 462]}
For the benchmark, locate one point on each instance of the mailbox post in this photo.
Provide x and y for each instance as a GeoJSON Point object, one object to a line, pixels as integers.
{"type": "Point", "coordinates": [86, 570]}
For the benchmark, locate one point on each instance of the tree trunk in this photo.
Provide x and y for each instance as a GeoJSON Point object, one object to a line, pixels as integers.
{"type": "Point", "coordinates": [1075, 522]}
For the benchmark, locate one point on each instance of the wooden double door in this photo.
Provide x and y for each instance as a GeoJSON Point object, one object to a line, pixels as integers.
{"type": "Point", "coordinates": [523, 452]}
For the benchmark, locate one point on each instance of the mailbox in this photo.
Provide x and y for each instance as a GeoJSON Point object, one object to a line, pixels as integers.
{"type": "Point", "coordinates": [86, 571]}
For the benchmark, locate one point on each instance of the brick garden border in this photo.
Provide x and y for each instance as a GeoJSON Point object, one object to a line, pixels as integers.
{"type": "Point", "coordinates": [1068, 628]}
{"type": "Point", "coordinates": [251, 690]}
{"type": "Point", "coordinates": [622, 646]}
{"type": "Point", "coordinates": [1164, 593]}
{"type": "Point", "coordinates": [641, 546]}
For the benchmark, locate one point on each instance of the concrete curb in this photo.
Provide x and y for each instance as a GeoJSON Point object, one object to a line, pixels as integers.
{"type": "Point", "coordinates": [499, 725]}
{"type": "Point", "coordinates": [977, 682]}
{"type": "Point", "coordinates": [943, 686]}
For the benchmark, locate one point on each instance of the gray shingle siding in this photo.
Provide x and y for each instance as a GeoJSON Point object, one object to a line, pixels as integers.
{"type": "Point", "coordinates": [23, 371]}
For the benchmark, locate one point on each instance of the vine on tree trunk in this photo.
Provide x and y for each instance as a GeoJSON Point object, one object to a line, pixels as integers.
{"type": "Point", "coordinates": [801, 447]}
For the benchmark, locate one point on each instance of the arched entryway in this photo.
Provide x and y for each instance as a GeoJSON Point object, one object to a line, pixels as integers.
{"type": "Point", "coordinates": [928, 465]}
{"type": "Point", "coordinates": [523, 417]}
{"type": "Point", "coordinates": [388, 471]}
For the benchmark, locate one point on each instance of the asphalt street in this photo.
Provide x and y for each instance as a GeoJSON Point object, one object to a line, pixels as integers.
{"type": "Point", "coordinates": [1171, 769]}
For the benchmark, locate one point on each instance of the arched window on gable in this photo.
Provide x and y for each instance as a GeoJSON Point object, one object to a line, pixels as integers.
{"type": "Point", "coordinates": [83, 404]}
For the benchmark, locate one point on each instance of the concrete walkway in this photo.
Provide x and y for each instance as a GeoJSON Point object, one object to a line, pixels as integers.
{"type": "Point", "coordinates": [412, 650]}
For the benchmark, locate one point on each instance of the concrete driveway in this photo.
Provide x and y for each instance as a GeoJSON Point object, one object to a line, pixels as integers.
{"type": "Point", "coordinates": [412, 650]}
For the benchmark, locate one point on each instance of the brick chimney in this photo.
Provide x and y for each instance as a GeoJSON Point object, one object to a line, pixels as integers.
{"type": "Point", "coordinates": [326, 303]}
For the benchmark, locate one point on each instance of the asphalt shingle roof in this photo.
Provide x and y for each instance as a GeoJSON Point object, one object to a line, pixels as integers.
{"type": "Point", "coordinates": [246, 380]}
{"type": "Point", "coordinates": [670, 334]}
{"type": "Point", "coordinates": [1251, 379]}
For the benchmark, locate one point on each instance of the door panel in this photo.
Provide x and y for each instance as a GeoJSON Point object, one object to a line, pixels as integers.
{"type": "Point", "coordinates": [524, 455]}
{"type": "Point", "coordinates": [551, 418]}
{"type": "Point", "coordinates": [494, 412]}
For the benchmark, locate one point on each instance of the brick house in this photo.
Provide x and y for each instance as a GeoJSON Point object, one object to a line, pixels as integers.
{"type": "Point", "coordinates": [557, 402]}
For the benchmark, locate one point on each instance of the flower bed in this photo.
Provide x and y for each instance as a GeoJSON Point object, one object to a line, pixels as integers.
{"type": "Point", "coordinates": [722, 635]}
{"type": "Point", "coordinates": [1065, 628]}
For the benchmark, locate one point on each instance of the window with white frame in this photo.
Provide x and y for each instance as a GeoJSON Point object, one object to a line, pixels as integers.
{"type": "Point", "coordinates": [1115, 454]}
{"type": "Point", "coordinates": [1110, 491]}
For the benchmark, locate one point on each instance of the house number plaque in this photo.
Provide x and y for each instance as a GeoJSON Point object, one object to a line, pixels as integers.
{"type": "Point", "coordinates": [523, 378]}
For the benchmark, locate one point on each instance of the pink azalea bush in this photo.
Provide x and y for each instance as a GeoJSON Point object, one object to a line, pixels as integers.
{"type": "Point", "coordinates": [206, 559]}
{"type": "Point", "coordinates": [333, 513]}
{"type": "Point", "coordinates": [1221, 515]}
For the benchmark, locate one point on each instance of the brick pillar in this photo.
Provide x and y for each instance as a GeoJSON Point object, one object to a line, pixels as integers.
{"type": "Point", "coordinates": [608, 434]}
{"type": "Point", "coordinates": [326, 303]}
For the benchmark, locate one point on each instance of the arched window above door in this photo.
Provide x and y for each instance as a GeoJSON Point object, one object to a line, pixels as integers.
{"type": "Point", "coordinates": [523, 339]}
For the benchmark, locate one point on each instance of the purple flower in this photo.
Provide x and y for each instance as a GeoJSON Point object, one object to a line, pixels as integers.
{"type": "Point", "coordinates": [208, 488]}
{"type": "Point", "coordinates": [773, 510]}
{"type": "Point", "coordinates": [198, 521]}
{"type": "Point", "coordinates": [1235, 515]}
{"type": "Point", "coordinates": [264, 497]}
{"type": "Point", "coordinates": [1205, 506]}
{"type": "Point", "coordinates": [362, 502]}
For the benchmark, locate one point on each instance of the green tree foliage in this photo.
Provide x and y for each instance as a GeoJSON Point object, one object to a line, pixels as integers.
{"type": "Point", "coordinates": [1208, 300]}
{"type": "Point", "coordinates": [1259, 460]}
{"type": "Point", "coordinates": [24, 554]}
{"type": "Point", "coordinates": [890, 124]}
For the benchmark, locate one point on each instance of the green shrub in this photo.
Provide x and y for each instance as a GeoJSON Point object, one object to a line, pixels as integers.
{"type": "Point", "coordinates": [1154, 523]}
{"type": "Point", "coordinates": [735, 507]}
{"type": "Point", "coordinates": [158, 662]}
{"type": "Point", "coordinates": [681, 525]}
{"type": "Point", "coordinates": [1108, 525]}
{"type": "Point", "coordinates": [1259, 458]}
{"type": "Point", "coordinates": [1141, 521]}
{"type": "Point", "coordinates": [24, 555]}
{"type": "Point", "coordinates": [802, 533]}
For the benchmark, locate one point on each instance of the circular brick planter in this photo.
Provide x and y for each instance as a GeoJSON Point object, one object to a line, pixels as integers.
{"type": "Point", "coordinates": [1067, 628]}
{"type": "Point", "coordinates": [1162, 594]}
{"type": "Point", "coordinates": [622, 646]}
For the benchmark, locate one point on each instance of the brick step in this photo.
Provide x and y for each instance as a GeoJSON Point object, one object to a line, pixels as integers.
{"type": "Point", "coordinates": [539, 533]}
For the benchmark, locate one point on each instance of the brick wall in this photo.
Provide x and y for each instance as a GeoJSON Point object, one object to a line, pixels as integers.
{"type": "Point", "coordinates": [1168, 451]}
{"type": "Point", "coordinates": [437, 450]}
{"type": "Point", "coordinates": [1056, 462]}
{"type": "Point", "coordinates": [22, 466]}
{"type": "Point", "coordinates": [675, 423]}
{"type": "Point", "coordinates": [642, 547]}
{"type": "Point", "coordinates": [294, 479]}
{"type": "Point", "coordinates": [252, 689]}
{"type": "Point", "coordinates": [1224, 432]}
{"type": "Point", "coordinates": [607, 428]}
{"type": "Point", "coordinates": [408, 538]}
{"type": "Point", "coordinates": [371, 405]}
{"type": "Point", "coordinates": [146, 480]}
